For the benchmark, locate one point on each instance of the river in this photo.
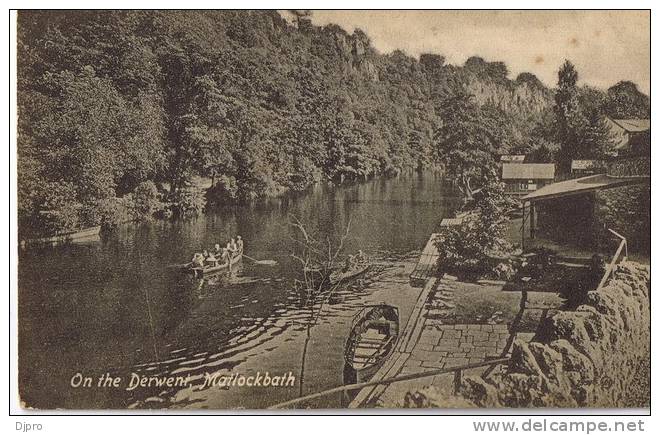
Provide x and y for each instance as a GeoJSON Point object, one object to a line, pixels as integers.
{"type": "Point", "coordinates": [114, 306]}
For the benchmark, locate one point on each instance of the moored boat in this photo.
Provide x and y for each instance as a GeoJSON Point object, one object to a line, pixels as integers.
{"type": "Point", "coordinates": [373, 337]}
{"type": "Point", "coordinates": [83, 235]}
{"type": "Point", "coordinates": [340, 275]}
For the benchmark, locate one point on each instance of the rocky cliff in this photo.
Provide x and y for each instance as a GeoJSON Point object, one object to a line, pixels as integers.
{"type": "Point", "coordinates": [510, 97]}
{"type": "Point", "coordinates": [487, 81]}
{"type": "Point", "coordinates": [355, 53]}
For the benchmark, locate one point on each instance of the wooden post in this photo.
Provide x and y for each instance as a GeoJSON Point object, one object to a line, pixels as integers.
{"type": "Point", "coordinates": [523, 228]}
{"type": "Point", "coordinates": [532, 227]}
{"type": "Point", "coordinates": [457, 380]}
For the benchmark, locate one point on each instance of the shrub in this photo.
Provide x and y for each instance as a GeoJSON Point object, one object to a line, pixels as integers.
{"type": "Point", "coordinates": [476, 248]}
{"type": "Point", "coordinates": [187, 202]}
{"type": "Point", "coordinates": [60, 208]}
{"type": "Point", "coordinates": [113, 211]}
{"type": "Point", "coordinates": [145, 200]}
{"type": "Point", "coordinates": [504, 270]}
{"type": "Point", "coordinates": [224, 190]}
{"type": "Point", "coordinates": [537, 265]}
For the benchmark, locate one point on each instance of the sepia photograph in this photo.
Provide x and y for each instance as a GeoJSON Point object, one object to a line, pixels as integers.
{"type": "Point", "coordinates": [357, 210]}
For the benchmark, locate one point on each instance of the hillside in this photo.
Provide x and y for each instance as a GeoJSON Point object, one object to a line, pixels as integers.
{"type": "Point", "coordinates": [129, 106]}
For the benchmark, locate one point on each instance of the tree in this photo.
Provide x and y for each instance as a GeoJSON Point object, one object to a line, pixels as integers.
{"type": "Point", "coordinates": [97, 129]}
{"type": "Point", "coordinates": [624, 100]}
{"type": "Point", "coordinates": [581, 129]}
{"type": "Point", "coordinates": [465, 142]}
{"type": "Point", "coordinates": [570, 120]}
{"type": "Point", "coordinates": [317, 258]}
{"type": "Point", "coordinates": [109, 100]}
{"type": "Point", "coordinates": [596, 139]}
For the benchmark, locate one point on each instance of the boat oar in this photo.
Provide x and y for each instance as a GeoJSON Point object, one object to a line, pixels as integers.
{"type": "Point", "coordinates": [264, 262]}
{"type": "Point", "coordinates": [177, 266]}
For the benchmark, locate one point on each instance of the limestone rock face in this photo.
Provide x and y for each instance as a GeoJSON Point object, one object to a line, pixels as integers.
{"type": "Point", "coordinates": [511, 97]}
{"type": "Point", "coordinates": [584, 358]}
{"type": "Point", "coordinates": [354, 54]}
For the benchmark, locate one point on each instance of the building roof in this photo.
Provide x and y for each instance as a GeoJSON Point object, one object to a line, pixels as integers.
{"type": "Point", "coordinates": [585, 164]}
{"type": "Point", "coordinates": [451, 222]}
{"type": "Point", "coordinates": [458, 220]}
{"type": "Point", "coordinates": [530, 171]}
{"type": "Point", "coordinates": [517, 158]}
{"type": "Point", "coordinates": [633, 125]}
{"type": "Point", "coordinates": [582, 185]}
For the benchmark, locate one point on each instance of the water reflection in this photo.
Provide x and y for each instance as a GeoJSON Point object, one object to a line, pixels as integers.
{"type": "Point", "coordinates": [116, 307]}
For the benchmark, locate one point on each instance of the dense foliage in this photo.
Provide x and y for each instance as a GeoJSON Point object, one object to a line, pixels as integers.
{"type": "Point", "coordinates": [259, 104]}
{"type": "Point", "coordinates": [477, 247]}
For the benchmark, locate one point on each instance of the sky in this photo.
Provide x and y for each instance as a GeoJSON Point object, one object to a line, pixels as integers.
{"type": "Point", "coordinates": [605, 46]}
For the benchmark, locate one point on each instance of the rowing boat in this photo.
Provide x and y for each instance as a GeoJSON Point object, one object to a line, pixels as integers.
{"type": "Point", "coordinates": [374, 333]}
{"type": "Point", "coordinates": [340, 275]}
{"type": "Point", "coordinates": [201, 271]}
{"type": "Point", "coordinates": [83, 235]}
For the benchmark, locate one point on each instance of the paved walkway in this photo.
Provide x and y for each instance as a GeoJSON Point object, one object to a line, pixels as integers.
{"type": "Point", "coordinates": [430, 342]}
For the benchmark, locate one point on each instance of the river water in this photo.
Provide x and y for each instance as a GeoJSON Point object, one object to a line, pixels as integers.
{"type": "Point", "coordinates": [114, 306]}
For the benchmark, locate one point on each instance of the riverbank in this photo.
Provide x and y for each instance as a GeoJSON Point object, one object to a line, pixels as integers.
{"type": "Point", "coordinates": [114, 305]}
{"type": "Point", "coordinates": [560, 364]}
{"type": "Point", "coordinates": [440, 335]}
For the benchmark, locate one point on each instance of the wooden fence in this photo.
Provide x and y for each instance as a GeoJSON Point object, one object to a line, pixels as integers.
{"type": "Point", "coordinates": [457, 371]}
{"type": "Point", "coordinates": [616, 258]}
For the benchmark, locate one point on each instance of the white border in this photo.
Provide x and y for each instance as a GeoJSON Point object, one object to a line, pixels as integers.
{"type": "Point", "coordinates": [178, 424]}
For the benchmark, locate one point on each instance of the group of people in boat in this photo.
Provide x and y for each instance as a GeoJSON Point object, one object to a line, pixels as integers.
{"type": "Point", "coordinates": [218, 255]}
{"type": "Point", "coordinates": [353, 261]}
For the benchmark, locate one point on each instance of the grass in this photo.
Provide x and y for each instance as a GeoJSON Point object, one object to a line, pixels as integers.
{"type": "Point", "coordinates": [491, 305]}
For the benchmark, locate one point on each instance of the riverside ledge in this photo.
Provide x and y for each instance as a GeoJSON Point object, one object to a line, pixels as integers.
{"type": "Point", "coordinates": [426, 344]}
{"type": "Point", "coordinates": [591, 357]}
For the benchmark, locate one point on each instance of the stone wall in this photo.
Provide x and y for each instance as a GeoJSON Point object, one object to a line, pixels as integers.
{"type": "Point", "coordinates": [626, 210]}
{"type": "Point", "coordinates": [590, 357]}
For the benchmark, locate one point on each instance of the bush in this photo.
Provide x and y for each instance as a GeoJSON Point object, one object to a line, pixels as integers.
{"type": "Point", "coordinates": [145, 200]}
{"type": "Point", "coordinates": [113, 211]}
{"type": "Point", "coordinates": [461, 250]}
{"type": "Point", "coordinates": [187, 202]}
{"type": "Point", "coordinates": [537, 265]}
{"type": "Point", "coordinates": [476, 248]}
{"type": "Point", "coordinates": [60, 208]}
{"type": "Point", "coordinates": [505, 270]}
{"type": "Point", "coordinates": [224, 190]}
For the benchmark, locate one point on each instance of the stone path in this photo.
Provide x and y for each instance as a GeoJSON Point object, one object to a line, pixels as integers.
{"type": "Point", "coordinates": [454, 345]}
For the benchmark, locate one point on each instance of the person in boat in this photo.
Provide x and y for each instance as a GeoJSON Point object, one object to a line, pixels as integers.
{"type": "Point", "coordinates": [226, 258]}
{"type": "Point", "coordinates": [228, 248]}
{"type": "Point", "coordinates": [232, 247]}
{"type": "Point", "coordinates": [239, 243]}
{"type": "Point", "coordinates": [205, 256]}
{"type": "Point", "coordinates": [217, 251]}
{"type": "Point", "coordinates": [211, 260]}
{"type": "Point", "coordinates": [348, 263]}
{"type": "Point", "coordinates": [197, 260]}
